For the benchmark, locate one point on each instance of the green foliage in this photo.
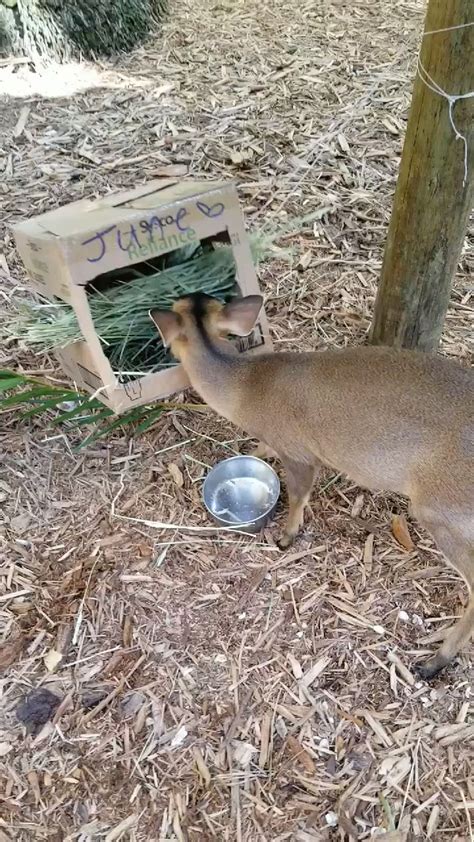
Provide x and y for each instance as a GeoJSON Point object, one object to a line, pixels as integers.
{"type": "Point", "coordinates": [60, 29]}
{"type": "Point", "coordinates": [30, 397]}
{"type": "Point", "coordinates": [106, 27]}
{"type": "Point", "coordinates": [10, 41]}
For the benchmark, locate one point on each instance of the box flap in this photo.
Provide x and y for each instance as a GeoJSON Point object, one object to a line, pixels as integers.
{"type": "Point", "coordinates": [86, 214]}
{"type": "Point", "coordinates": [178, 191]}
{"type": "Point", "coordinates": [123, 197]}
{"type": "Point", "coordinates": [68, 222]}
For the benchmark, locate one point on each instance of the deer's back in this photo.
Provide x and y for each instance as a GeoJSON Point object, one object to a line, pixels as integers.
{"type": "Point", "coordinates": [372, 413]}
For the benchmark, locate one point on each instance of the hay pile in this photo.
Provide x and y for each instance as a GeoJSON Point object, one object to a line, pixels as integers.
{"type": "Point", "coordinates": [121, 312]}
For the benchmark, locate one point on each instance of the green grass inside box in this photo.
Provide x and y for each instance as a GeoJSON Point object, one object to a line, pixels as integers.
{"type": "Point", "coordinates": [120, 302]}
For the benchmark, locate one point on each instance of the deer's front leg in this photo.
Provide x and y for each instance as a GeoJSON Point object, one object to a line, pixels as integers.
{"type": "Point", "coordinates": [262, 451]}
{"type": "Point", "coordinates": [299, 480]}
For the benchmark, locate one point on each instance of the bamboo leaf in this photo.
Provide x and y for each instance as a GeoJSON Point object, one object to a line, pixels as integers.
{"type": "Point", "coordinates": [6, 374]}
{"type": "Point", "coordinates": [100, 432]}
{"type": "Point", "coordinates": [82, 406]}
{"type": "Point", "coordinates": [11, 383]}
{"type": "Point", "coordinates": [93, 418]}
{"type": "Point", "coordinates": [149, 420]}
{"type": "Point", "coordinates": [42, 406]}
{"type": "Point", "coordinates": [32, 395]}
{"type": "Point", "coordinates": [121, 421]}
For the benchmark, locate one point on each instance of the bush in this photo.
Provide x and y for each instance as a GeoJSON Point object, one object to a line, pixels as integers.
{"type": "Point", "coordinates": [60, 29]}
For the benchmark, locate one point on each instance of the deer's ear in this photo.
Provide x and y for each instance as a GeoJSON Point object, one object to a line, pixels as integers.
{"type": "Point", "coordinates": [239, 316]}
{"type": "Point", "coordinates": [168, 324]}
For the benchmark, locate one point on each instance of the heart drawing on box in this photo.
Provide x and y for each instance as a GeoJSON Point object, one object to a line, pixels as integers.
{"type": "Point", "coordinates": [210, 210]}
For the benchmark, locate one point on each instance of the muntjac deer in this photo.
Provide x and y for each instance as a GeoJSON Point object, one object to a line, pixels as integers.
{"type": "Point", "coordinates": [397, 421]}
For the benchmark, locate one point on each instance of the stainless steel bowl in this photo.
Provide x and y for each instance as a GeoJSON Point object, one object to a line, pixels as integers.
{"type": "Point", "coordinates": [241, 492]}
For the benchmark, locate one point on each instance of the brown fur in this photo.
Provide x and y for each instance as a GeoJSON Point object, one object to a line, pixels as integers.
{"type": "Point", "coordinates": [397, 421]}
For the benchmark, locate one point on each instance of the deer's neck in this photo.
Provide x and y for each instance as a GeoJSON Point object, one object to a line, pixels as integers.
{"type": "Point", "coordinates": [215, 370]}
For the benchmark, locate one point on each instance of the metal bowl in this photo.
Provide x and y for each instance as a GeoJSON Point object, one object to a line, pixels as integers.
{"type": "Point", "coordinates": [241, 493]}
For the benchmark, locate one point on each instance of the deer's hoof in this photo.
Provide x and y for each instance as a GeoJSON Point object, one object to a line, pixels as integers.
{"type": "Point", "coordinates": [285, 541]}
{"type": "Point", "coordinates": [430, 668]}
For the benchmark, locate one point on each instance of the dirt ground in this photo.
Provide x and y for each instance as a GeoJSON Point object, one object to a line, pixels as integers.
{"type": "Point", "coordinates": [212, 687]}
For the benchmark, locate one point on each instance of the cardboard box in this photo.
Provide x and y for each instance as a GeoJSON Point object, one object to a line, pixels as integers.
{"type": "Point", "coordinates": [65, 249]}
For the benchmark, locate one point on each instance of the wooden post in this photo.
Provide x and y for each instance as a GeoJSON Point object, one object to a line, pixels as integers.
{"type": "Point", "coordinates": [431, 206]}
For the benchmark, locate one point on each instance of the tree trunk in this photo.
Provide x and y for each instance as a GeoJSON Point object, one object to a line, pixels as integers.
{"type": "Point", "coordinates": [434, 195]}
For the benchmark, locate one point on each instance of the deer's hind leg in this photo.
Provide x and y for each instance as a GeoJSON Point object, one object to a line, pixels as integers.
{"type": "Point", "coordinates": [454, 537]}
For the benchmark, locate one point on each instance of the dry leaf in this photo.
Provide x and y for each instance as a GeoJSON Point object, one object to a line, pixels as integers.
{"type": "Point", "coordinates": [176, 474]}
{"type": "Point", "coordinates": [295, 666]}
{"type": "Point", "coordinates": [111, 540]}
{"type": "Point", "coordinates": [343, 143]}
{"type": "Point", "coordinates": [43, 734]}
{"type": "Point", "coordinates": [241, 157]}
{"type": "Point", "coordinates": [114, 663]}
{"type": "Point", "coordinates": [52, 659]}
{"type": "Point", "coordinates": [391, 127]}
{"type": "Point", "coordinates": [119, 830]}
{"type": "Point", "coordinates": [400, 532]}
{"type": "Point", "coordinates": [144, 551]}
{"type": "Point", "coordinates": [64, 638]}
{"type": "Point", "coordinates": [20, 523]}
{"type": "Point", "coordinates": [300, 754]}
{"type": "Point", "coordinates": [433, 821]}
{"type": "Point", "coordinates": [10, 651]}
{"type": "Point", "coordinates": [315, 671]}
{"type": "Point", "coordinates": [132, 703]}
{"type": "Point", "coordinates": [20, 608]}
{"type": "Point", "coordinates": [395, 769]}
{"type": "Point", "coordinates": [201, 765]}
{"type": "Point", "coordinates": [358, 505]}
{"type": "Point", "coordinates": [5, 748]}
{"type": "Point", "coordinates": [304, 261]}
{"type": "Point", "coordinates": [243, 752]}
{"type": "Point", "coordinates": [179, 737]}
{"type": "Point", "coordinates": [340, 747]}
{"type": "Point", "coordinates": [34, 784]}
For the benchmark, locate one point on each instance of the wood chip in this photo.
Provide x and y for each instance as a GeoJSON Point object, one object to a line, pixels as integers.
{"type": "Point", "coordinates": [201, 765]}
{"type": "Point", "coordinates": [127, 631]}
{"type": "Point", "coordinates": [315, 671]}
{"type": "Point", "coordinates": [402, 669]}
{"type": "Point", "coordinates": [185, 635]}
{"type": "Point", "coordinates": [377, 728]}
{"type": "Point", "coordinates": [21, 123]}
{"type": "Point", "coordinates": [433, 822]}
